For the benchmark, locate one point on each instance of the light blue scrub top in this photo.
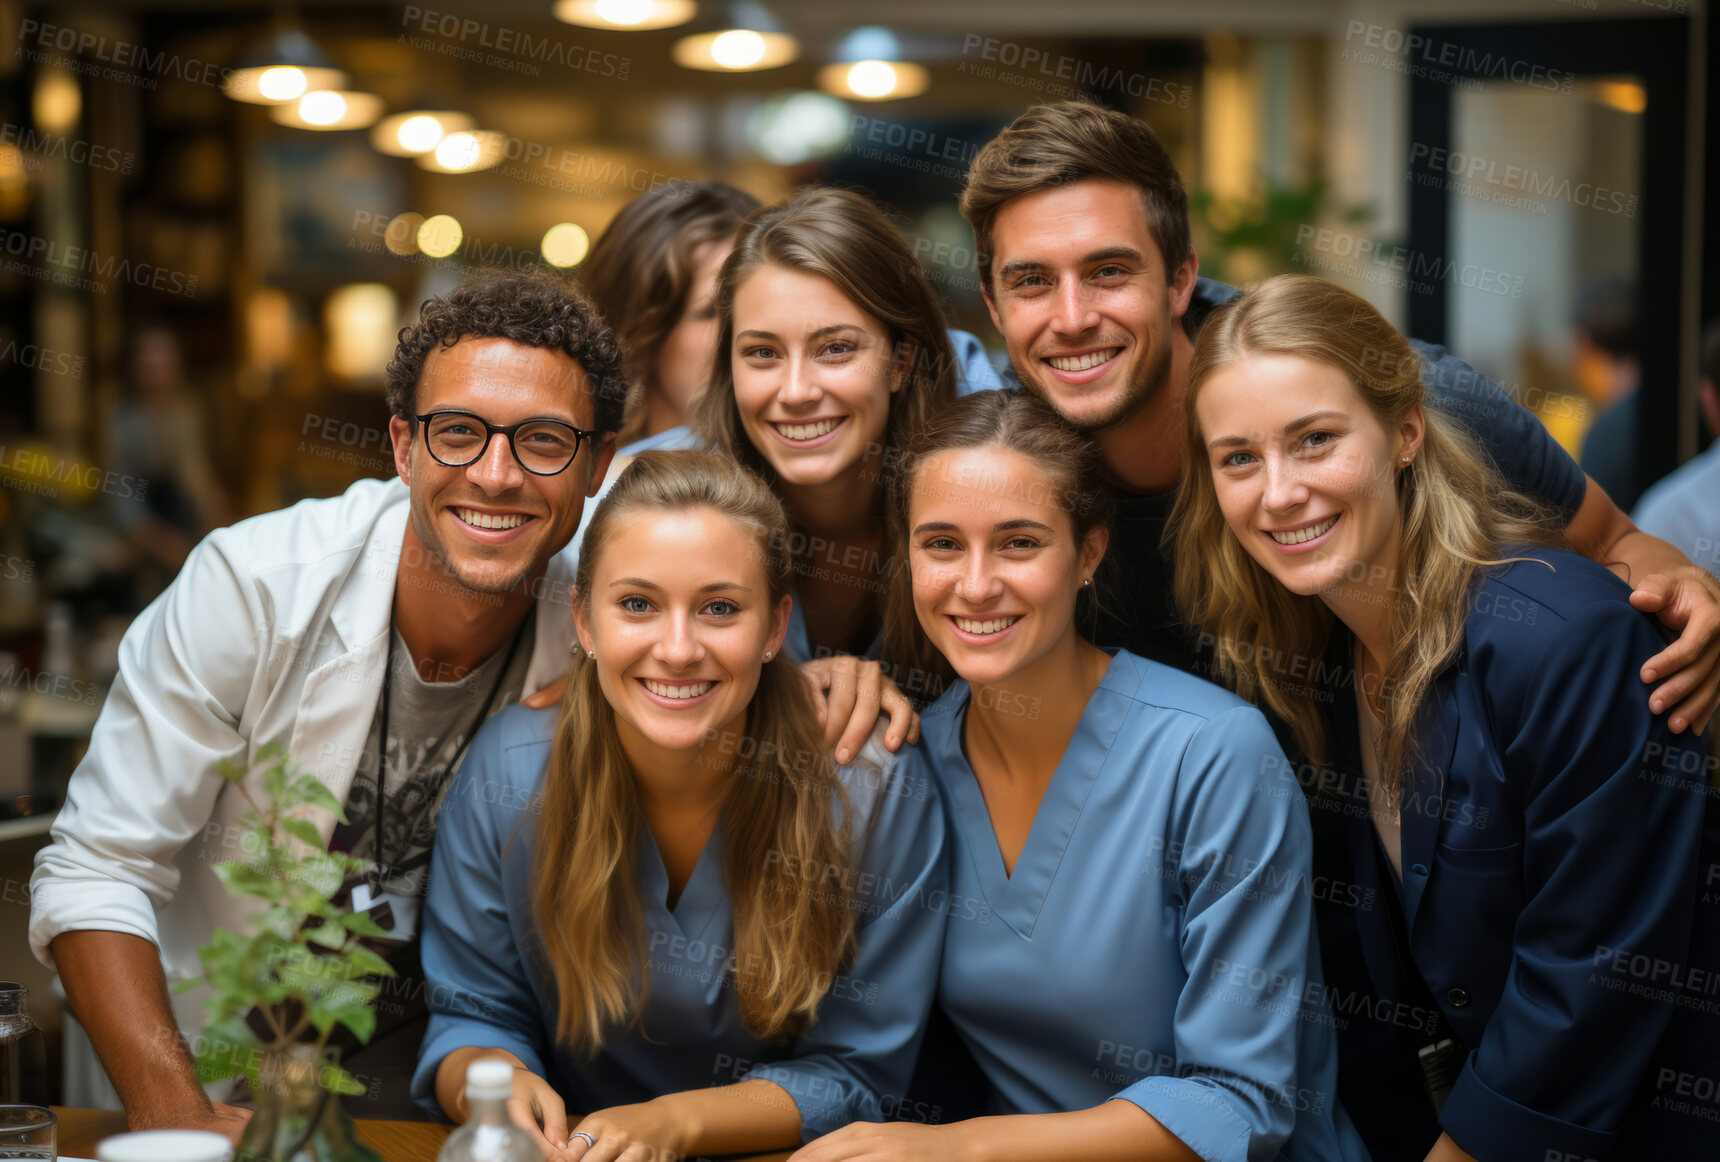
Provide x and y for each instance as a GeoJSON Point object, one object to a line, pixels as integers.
{"type": "Point", "coordinates": [1155, 941]}
{"type": "Point", "coordinates": [486, 987]}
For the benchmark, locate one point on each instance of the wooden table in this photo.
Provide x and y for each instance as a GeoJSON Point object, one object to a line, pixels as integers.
{"type": "Point", "coordinates": [80, 1130]}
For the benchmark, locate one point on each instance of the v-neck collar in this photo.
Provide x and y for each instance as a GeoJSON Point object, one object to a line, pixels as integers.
{"type": "Point", "coordinates": [701, 897]}
{"type": "Point", "coordinates": [1019, 897]}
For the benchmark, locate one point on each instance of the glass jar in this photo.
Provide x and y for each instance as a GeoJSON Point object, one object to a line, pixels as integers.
{"type": "Point", "coordinates": [23, 1051]}
{"type": "Point", "coordinates": [298, 1119]}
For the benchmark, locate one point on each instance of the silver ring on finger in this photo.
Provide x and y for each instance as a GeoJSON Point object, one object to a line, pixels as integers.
{"type": "Point", "coordinates": [589, 1140]}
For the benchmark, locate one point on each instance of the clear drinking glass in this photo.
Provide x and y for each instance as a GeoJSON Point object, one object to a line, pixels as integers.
{"type": "Point", "coordinates": [27, 1132]}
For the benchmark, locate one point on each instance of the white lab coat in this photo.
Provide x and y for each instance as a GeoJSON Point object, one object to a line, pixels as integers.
{"type": "Point", "coordinates": [276, 630]}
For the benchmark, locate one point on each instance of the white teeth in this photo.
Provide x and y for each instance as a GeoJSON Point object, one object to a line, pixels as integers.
{"type": "Point", "coordinates": [484, 520]}
{"type": "Point", "coordinates": [1307, 534]}
{"type": "Point", "coordinates": [1081, 362]}
{"type": "Point", "coordinates": [672, 690]}
{"type": "Point", "coordinates": [808, 431]}
{"type": "Point", "coordinates": [968, 625]}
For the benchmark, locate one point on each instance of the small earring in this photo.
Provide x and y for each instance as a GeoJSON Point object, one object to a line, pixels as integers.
{"type": "Point", "coordinates": [1406, 459]}
{"type": "Point", "coordinates": [767, 654]}
{"type": "Point", "coordinates": [1086, 581]}
{"type": "Point", "coordinates": [591, 653]}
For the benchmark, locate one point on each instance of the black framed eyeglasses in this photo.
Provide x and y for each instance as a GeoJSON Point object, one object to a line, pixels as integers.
{"type": "Point", "coordinates": [541, 447]}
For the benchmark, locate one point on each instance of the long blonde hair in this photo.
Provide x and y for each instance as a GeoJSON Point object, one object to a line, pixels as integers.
{"type": "Point", "coordinates": [1455, 511]}
{"type": "Point", "coordinates": [786, 800]}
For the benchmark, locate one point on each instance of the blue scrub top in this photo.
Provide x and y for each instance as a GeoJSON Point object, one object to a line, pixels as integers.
{"type": "Point", "coordinates": [486, 986]}
{"type": "Point", "coordinates": [1155, 942]}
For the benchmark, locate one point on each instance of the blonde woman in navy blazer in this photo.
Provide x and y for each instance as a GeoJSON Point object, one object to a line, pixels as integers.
{"type": "Point", "coordinates": [1525, 965]}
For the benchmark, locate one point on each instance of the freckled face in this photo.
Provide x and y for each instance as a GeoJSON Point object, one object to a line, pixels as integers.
{"type": "Point", "coordinates": [996, 564]}
{"type": "Point", "coordinates": [1304, 470]}
{"type": "Point", "coordinates": [680, 617]}
{"type": "Point", "coordinates": [813, 375]}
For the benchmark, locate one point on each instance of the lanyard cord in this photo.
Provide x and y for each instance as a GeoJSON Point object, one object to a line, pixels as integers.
{"type": "Point", "coordinates": [453, 765]}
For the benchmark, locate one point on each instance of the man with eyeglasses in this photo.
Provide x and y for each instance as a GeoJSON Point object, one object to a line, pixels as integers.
{"type": "Point", "coordinates": [370, 635]}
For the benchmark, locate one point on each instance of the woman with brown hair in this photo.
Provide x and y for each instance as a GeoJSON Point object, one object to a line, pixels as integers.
{"type": "Point", "coordinates": [669, 886]}
{"type": "Point", "coordinates": [831, 351]}
{"type": "Point", "coordinates": [653, 275]}
{"type": "Point", "coordinates": [1525, 827]}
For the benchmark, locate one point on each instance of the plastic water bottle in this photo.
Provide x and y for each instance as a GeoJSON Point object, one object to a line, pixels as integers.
{"type": "Point", "coordinates": [489, 1135]}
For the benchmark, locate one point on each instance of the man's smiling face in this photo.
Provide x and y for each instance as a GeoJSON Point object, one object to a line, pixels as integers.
{"type": "Point", "coordinates": [492, 524]}
{"type": "Point", "coordinates": [1080, 294]}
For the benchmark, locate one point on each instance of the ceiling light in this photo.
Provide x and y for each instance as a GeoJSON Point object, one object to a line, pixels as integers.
{"type": "Point", "coordinates": [565, 245]}
{"type": "Point", "coordinates": [440, 236]}
{"type": "Point", "coordinates": [741, 37]}
{"type": "Point", "coordinates": [282, 67]}
{"type": "Point", "coordinates": [417, 131]}
{"type": "Point", "coordinates": [466, 151]}
{"type": "Point", "coordinates": [628, 15]}
{"type": "Point", "coordinates": [868, 66]}
{"type": "Point", "coordinates": [330, 109]}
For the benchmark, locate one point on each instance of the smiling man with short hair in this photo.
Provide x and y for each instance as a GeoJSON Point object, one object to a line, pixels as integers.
{"type": "Point", "coordinates": [371, 632]}
{"type": "Point", "coordinates": [1087, 267]}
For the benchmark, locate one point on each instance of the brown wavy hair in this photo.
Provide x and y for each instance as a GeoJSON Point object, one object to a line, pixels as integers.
{"type": "Point", "coordinates": [641, 270]}
{"type": "Point", "coordinates": [843, 237]}
{"type": "Point", "coordinates": [1009, 421]}
{"type": "Point", "coordinates": [1455, 510]}
{"type": "Point", "coordinates": [789, 943]}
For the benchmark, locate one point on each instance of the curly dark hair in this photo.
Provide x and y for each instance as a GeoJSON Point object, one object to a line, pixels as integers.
{"type": "Point", "coordinates": [533, 308]}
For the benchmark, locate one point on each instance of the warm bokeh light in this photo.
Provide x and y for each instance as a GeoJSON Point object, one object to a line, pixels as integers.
{"type": "Point", "coordinates": [327, 109]}
{"type": "Point", "coordinates": [565, 245]}
{"type": "Point", "coordinates": [466, 152]}
{"type": "Point", "coordinates": [1625, 96]}
{"type": "Point", "coordinates": [798, 127]}
{"type": "Point", "coordinates": [629, 15]}
{"type": "Point", "coordinates": [282, 83]}
{"type": "Point", "coordinates": [416, 132]}
{"type": "Point", "coordinates": [57, 102]}
{"type": "Point", "coordinates": [736, 50]}
{"type": "Point", "coordinates": [360, 320]}
{"type": "Point", "coordinates": [440, 236]}
{"type": "Point", "coordinates": [401, 236]}
{"type": "Point", "coordinates": [874, 80]}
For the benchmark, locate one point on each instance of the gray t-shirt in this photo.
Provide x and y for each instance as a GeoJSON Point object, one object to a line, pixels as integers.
{"type": "Point", "coordinates": [431, 719]}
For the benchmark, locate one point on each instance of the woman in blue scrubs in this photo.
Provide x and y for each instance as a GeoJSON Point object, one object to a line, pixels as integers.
{"type": "Point", "coordinates": [1130, 953]}
{"type": "Point", "coordinates": [831, 352]}
{"type": "Point", "coordinates": [1502, 783]}
{"type": "Point", "coordinates": [664, 903]}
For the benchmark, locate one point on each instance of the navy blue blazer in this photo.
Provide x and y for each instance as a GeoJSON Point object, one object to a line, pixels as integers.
{"type": "Point", "coordinates": [1557, 910]}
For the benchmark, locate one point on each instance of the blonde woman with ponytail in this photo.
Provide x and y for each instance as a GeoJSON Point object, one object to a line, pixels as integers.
{"type": "Point", "coordinates": [665, 903]}
{"type": "Point", "coordinates": [1515, 829]}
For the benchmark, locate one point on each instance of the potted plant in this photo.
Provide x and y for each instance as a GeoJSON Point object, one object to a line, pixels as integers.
{"type": "Point", "coordinates": [303, 969]}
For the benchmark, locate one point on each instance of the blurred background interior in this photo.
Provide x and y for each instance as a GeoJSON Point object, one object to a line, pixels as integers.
{"type": "Point", "coordinates": [215, 217]}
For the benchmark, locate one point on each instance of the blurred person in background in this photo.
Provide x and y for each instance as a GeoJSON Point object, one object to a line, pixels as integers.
{"type": "Point", "coordinates": [1684, 506]}
{"type": "Point", "coordinates": [653, 277]}
{"type": "Point", "coordinates": [158, 434]}
{"type": "Point", "coordinates": [1609, 373]}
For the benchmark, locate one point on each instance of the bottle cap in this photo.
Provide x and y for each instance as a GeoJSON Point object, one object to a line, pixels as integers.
{"type": "Point", "coordinates": [491, 1079]}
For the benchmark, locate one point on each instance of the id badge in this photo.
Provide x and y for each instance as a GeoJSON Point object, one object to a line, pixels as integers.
{"type": "Point", "coordinates": [397, 913]}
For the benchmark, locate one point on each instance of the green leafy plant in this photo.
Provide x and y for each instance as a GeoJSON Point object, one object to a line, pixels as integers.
{"type": "Point", "coordinates": [304, 968]}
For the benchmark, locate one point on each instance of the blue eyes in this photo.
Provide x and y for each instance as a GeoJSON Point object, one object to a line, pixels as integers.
{"type": "Point", "coordinates": [719, 608]}
{"type": "Point", "coordinates": [1314, 441]}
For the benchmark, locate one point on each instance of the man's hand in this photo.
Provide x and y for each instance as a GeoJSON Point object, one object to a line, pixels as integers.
{"type": "Point", "coordinates": [550, 695]}
{"type": "Point", "coordinates": [221, 1118]}
{"type": "Point", "coordinates": [1686, 600]}
{"type": "Point", "coordinates": [850, 694]}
